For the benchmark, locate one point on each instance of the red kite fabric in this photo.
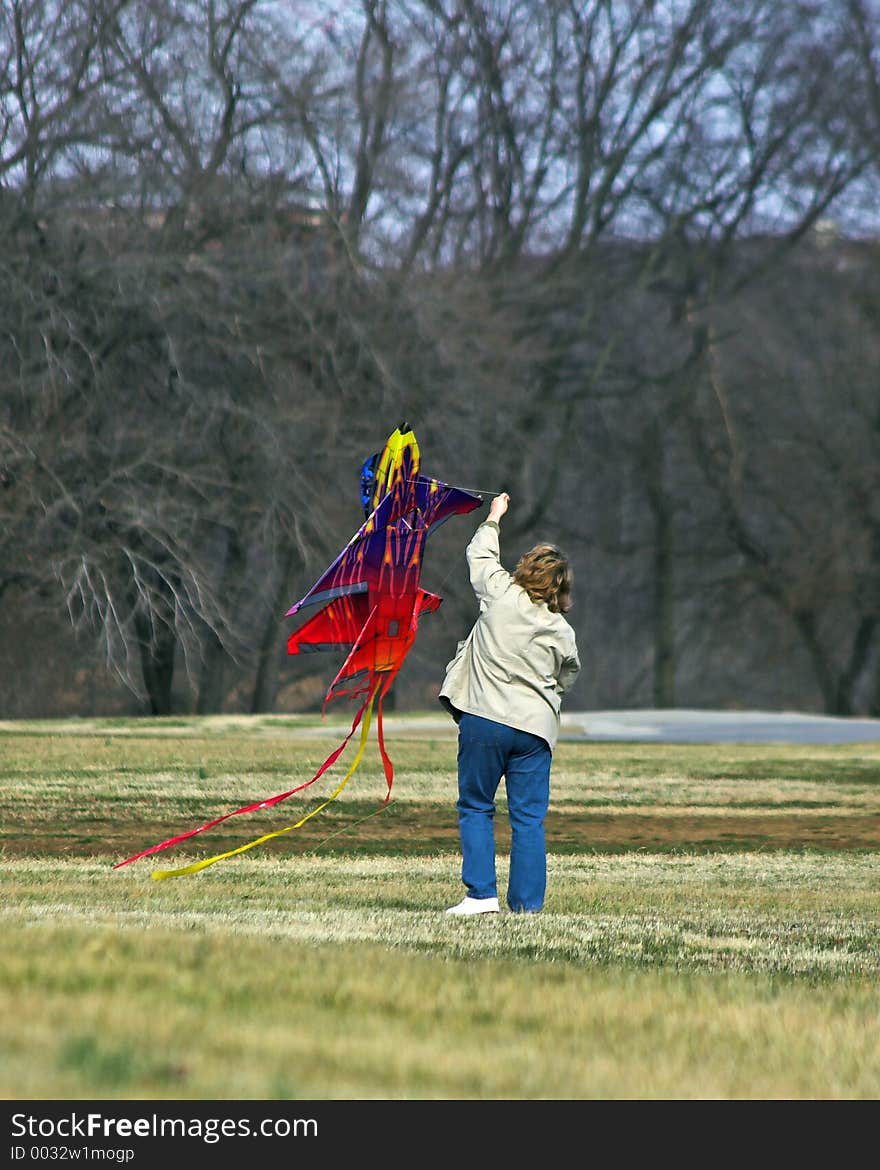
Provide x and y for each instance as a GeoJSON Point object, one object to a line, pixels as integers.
{"type": "Point", "coordinates": [370, 603]}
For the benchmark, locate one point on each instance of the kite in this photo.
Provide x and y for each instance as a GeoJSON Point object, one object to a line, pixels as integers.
{"type": "Point", "coordinates": [370, 603]}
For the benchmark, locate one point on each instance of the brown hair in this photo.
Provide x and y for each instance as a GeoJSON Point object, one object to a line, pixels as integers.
{"type": "Point", "coordinates": [545, 574]}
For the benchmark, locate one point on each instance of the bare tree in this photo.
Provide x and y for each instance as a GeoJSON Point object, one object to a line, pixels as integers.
{"type": "Point", "coordinates": [247, 243]}
{"type": "Point", "coordinates": [786, 433]}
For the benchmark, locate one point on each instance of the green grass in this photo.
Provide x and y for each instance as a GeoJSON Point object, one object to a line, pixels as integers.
{"type": "Point", "coordinates": [711, 927]}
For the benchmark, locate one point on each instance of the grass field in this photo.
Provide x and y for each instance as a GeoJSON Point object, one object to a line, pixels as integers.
{"type": "Point", "coordinates": [711, 928]}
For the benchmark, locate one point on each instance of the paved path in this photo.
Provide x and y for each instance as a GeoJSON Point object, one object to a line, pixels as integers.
{"type": "Point", "coordinates": [680, 726]}
{"type": "Point", "coordinates": [683, 726]}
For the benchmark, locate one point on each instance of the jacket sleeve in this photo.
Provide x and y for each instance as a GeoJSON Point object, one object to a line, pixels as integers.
{"type": "Point", "coordinates": [571, 667]}
{"type": "Point", "coordinates": [489, 578]}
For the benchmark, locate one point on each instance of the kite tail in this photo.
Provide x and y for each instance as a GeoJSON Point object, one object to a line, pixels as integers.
{"type": "Point", "coordinates": [260, 804]}
{"type": "Point", "coordinates": [365, 711]}
{"type": "Point", "coordinates": [386, 759]}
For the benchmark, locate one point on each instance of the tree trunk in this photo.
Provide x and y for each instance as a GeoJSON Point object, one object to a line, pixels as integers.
{"type": "Point", "coordinates": [833, 700]}
{"type": "Point", "coordinates": [663, 580]}
{"type": "Point", "coordinates": [212, 681]}
{"type": "Point", "coordinates": [664, 612]}
{"type": "Point", "coordinates": [266, 682]}
{"type": "Point", "coordinates": [211, 677]}
{"type": "Point", "coordinates": [861, 648]}
{"type": "Point", "coordinates": [158, 644]}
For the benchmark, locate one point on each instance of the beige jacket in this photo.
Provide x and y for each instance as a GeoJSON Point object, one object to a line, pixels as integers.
{"type": "Point", "coordinates": [519, 658]}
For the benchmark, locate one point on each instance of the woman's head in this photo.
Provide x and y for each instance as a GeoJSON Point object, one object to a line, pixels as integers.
{"type": "Point", "coordinates": [545, 574]}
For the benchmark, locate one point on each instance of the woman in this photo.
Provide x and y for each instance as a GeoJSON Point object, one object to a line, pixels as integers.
{"type": "Point", "coordinates": [504, 689]}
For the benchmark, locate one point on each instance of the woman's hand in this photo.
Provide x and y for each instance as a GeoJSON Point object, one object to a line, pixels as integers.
{"type": "Point", "coordinates": [498, 506]}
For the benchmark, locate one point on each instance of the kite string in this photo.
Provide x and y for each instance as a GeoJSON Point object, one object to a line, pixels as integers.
{"type": "Point", "coordinates": [347, 828]}
{"type": "Point", "coordinates": [459, 486]}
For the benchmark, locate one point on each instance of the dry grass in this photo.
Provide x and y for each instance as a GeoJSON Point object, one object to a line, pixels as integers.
{"type": "Point", "coordinates": [711, 929]}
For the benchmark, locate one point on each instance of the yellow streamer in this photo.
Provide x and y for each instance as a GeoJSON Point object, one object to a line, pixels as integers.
{"type": "Point", "coordinates": [160, 874]}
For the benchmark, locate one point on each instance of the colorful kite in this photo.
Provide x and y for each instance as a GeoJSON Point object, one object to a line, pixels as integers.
{"type": "Point", "coordinates": [370, 603]}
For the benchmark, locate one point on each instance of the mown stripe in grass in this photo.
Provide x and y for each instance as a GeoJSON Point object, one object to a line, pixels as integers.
{"type": "Point", "coordinates": [420, 829]}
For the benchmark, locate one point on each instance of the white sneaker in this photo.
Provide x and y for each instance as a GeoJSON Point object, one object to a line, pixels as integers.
{"type": "Point", "coordinates": [475, 906]}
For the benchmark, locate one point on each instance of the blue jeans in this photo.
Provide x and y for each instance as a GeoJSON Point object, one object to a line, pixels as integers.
{"type": "Point", "coordinates": [487, 751]}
